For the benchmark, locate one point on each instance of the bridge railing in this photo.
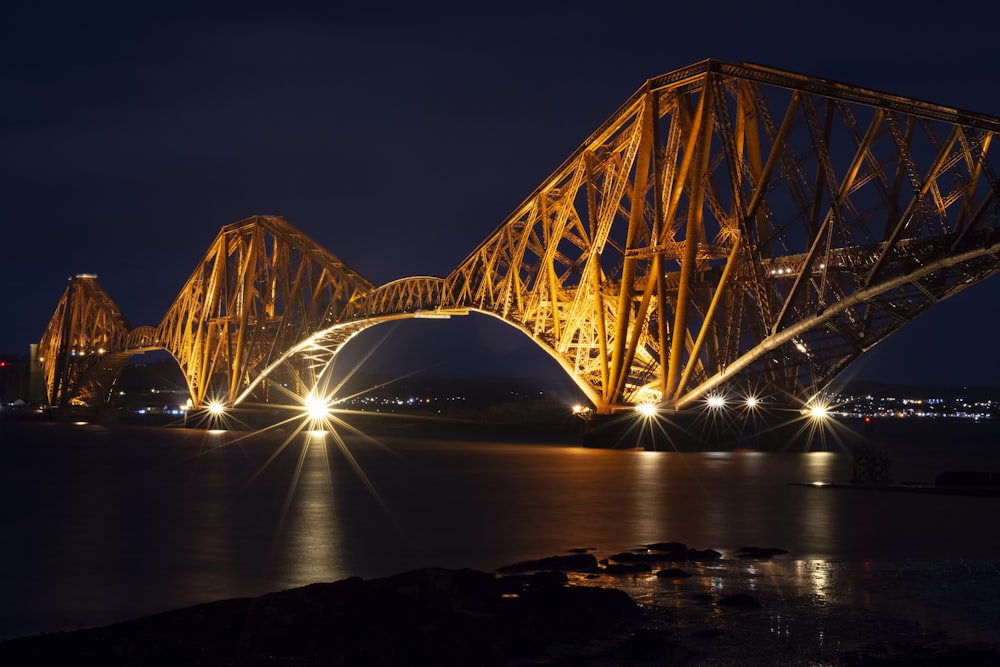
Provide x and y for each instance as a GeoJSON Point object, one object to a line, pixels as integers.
{"type": "Point", "coordinates": [407, 295]}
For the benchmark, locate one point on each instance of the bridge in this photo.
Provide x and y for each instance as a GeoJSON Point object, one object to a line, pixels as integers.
{"type": "Point", "coordinates": [731, 227]}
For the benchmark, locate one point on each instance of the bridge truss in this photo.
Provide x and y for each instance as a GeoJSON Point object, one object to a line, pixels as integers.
{"type": "Point", "coordinates": [740, 226]}
{"type": "Point", "coordinates": [729, 227]}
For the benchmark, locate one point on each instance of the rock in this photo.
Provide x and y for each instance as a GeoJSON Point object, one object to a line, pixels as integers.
{"type": "Point", "coordinates": [577, 562]}
{"type": "Point", "coordinates": [627, 568]}
{"type": "Point", "coordinates": [570, 613]}
{"type": "Point", "coordinates": [515, 584]}
{"type": "Point", "coordinates": [633, 557]}
{"type": "Point", "coordinates": [667, 555]}
{"type": "Point", "coordinates": [701, 555]}
{"type": "Point", "coordinates": [446, 617]}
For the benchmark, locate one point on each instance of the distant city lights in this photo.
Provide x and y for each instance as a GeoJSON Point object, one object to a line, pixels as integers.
{"type": "Point", "coordinates": [743, 403]}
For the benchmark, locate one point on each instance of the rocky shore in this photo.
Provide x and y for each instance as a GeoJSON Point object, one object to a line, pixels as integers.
{"type": "Point", "coordinates": [569, 609]}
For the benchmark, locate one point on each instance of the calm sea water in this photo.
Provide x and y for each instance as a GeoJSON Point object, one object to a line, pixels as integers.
{"type": "Point", "coordinates": [105, 523]}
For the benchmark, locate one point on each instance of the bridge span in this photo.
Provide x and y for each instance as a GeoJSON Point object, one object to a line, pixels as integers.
{"type": "Point", "coordinates": [730, 228]}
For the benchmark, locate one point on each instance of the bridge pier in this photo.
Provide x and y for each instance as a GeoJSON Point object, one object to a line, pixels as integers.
{"type": "Point", "coordinates": [80, 413]}
{"type": "Point", "coordinates": [774, 430]}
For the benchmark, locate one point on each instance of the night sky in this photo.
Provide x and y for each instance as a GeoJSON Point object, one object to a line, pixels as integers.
{"type": "Point", "coordinates": [398, 137]}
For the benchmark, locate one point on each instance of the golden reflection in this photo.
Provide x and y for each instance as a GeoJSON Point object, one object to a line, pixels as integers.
{"type": "Point", "coordinates": [314, 414]}
{"type": "Point", "coordinates": [647, 516]}
{"type": "Point", "coordinates": [814, 515]}
{"type": "Point", "coordinates": [819, 467]}
{"type": "Point", "coordinates": [653, 426]}
{"type": "Point", "coordinates": [308, 538]}
{"type": "Point", "coordinates": [306, 531]}
{"type": "Point", "coordinates": [753, 573]}
{"type": "Point", "coordinates": [814, 575]}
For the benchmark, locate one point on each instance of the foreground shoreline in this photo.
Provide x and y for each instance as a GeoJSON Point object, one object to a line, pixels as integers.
{"type": "Point", "coordinates": [663, 604]}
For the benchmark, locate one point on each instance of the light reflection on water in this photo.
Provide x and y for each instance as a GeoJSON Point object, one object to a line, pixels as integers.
{"type": "Point", "coordinates": [308, 543]}
{"type": "Point", "coordinates": [811, 609]}
{"type": "Point", "coordinates": [111, 523]}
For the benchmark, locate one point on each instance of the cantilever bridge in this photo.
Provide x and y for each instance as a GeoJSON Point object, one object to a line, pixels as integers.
{"type": "Point", "coordinates": [730, 226]}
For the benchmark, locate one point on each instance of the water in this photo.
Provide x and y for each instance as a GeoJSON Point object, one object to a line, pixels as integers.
{"type": "Point", "coordinates": [103, 523]}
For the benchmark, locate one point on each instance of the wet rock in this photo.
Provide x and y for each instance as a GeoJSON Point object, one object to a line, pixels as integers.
{"type": "Point", "coordinates": [518, 583]}
{"type": "Point", "coordinates": [674, 554]}
{"type": "Point", "coordinates": [668, 547]}
{"type": "Point", "coordinates": [633, 557]}
{"type": "Point", "coordinates": [628, 568]}
{"type": "Point", "coordinates": [577, 562]}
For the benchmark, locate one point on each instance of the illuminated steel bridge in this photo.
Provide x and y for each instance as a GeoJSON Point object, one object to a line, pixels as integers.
{"type": "Point", "coordinates": [730, 227]}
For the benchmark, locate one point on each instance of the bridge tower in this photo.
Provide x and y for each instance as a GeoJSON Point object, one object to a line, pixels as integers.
{"type": "Point", "coordinates": [81, 351]}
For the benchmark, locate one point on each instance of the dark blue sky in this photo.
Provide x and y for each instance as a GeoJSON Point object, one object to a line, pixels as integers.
{"type": "Point", "coordinates": [396, 136]}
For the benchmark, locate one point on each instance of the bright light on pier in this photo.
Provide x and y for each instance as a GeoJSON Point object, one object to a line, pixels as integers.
{"type": "Point", "coordinates": [317, 407]}
{"type": "Point", "coordinates": [646, 409]}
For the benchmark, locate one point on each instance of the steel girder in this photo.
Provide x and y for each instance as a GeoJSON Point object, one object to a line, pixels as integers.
{"type": "Point", "coordinates": [740, 225]}
{"type": "Point", "coordinates": [729, 226]}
